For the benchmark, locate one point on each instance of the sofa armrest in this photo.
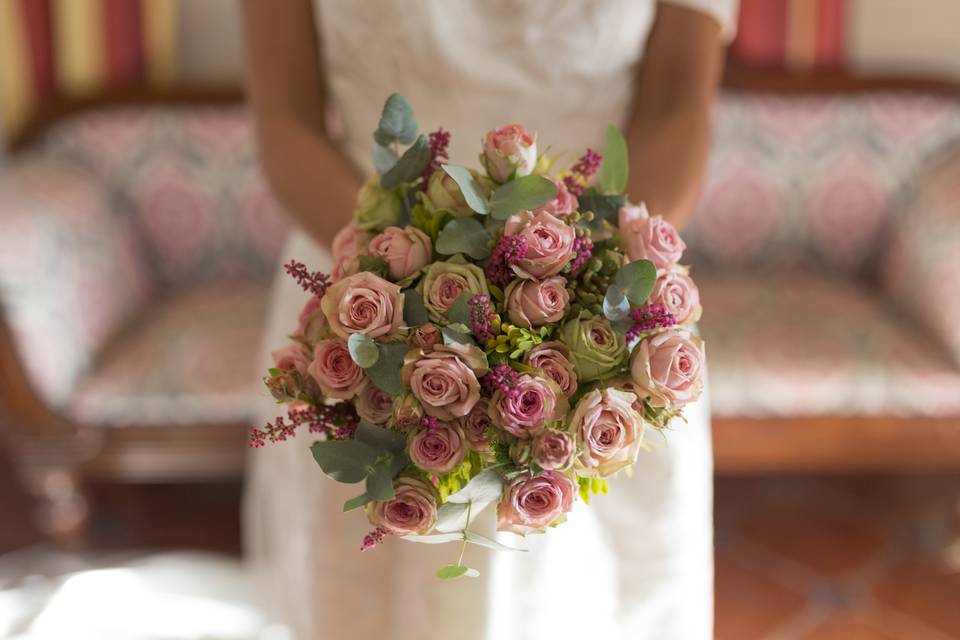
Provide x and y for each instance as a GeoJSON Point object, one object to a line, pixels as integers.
{"type": "Point", "coordinates": [70, 269]}
{"type": "Point", "coordinates": [921, 269]}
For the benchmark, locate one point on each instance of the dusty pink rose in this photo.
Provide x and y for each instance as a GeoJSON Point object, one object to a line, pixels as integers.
{"type": "Point", "coordinates": [293, 356]}
{"type": "Point", "coordinates": [443, 282]}
{"type": "Point", "coordinates": [349, 243]}
{"type": "Point", "coordinates": [553, 359]}
{"type": "Point", "coordinates": [668, 368]}
{"type": "Point", "coordinates": [335, 371]}
{"type": "Point", "coordinates": [437, 449]}
{"type": "Point", "coordinates": [475, 425]}
{"type": "Point", "coordinates": [647, 237]}
{"type": "Point", "coordinates": [549, 243]}
{"type": "Point", "coordinates": [405, 250]}
{"type": "Point", "coordinates": [363, 303]}
{"type": "Point", "coordinates": [532, 303]}
{"type": "Point", "coordinates": [374, 404]}
{"type": "Point", "coordinates": [425, 336]}
{"type": "Point", "coordinates": [554, 450]}
{"type": "Point", "coordinates": [608, 431]}
{"type": "Point", "coordinates": [412, 511]}
{"type": "Point", "coordinates": [312, 324]}
{"type": "Point", "coordinates": [445, 386]}
{"type": "Point", "coordinates": [407, 412]}
{"type": "Point", "coordinates": [676, 291]}
{"type": "Point", "coordinates": [564, 204]}
{"type": "Point", "coordinates": [509, 150]}
{"type": "Point", "coordinates": [529, 406]}
{"type": "Point", "coordinates": [530, 505]}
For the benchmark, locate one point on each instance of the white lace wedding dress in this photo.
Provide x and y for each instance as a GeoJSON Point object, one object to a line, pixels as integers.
{"type": "Point", "coordinates": [636, 563]}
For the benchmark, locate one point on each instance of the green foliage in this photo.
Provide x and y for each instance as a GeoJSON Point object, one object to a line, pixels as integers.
{"type": "Point", "coordinates": [635, 281]}
{"type": "Point", "coordinates": [464, 235]}
{"type": "Point", "coordinates": [397, 123]}
{"type": "Point", "coordinates": [429, 222]}
{"type": "Point", "coordinates": [515, 341]}
{"type": "Point", "coordinates": [346, 461]}
{"type": "Point", "coordinates": [373, 264]}
{"type": "Point", "coordinates": [591, 486]}
{"type": "Point", "coordinates": [414, 313]}
{"type": "Point", "coordinates": [614, 167]}
{"type": "Point", "coordinates": [455, 480]}
{"type": "Point", "coordinates": [471, 190]}
{"type": "Point", "coordinates": [385, 372]}
{"type": "Point", "coordinates": [450, 571]}
{"type": "Point", "coordinates": [605, 207]}
{"type": "Point", "coordinates": [363, 350]}
{"type": "Point", "coordinates": [459, 311]}
{"type": "Point", "coordinates": [409, 167]}
{"type": "Point", "coordinates": [520, 194]}
{"type": "Point", "coordinates": [384, 158]}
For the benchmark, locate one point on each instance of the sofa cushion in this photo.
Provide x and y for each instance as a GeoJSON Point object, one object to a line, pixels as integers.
{"type": "Point", "coordinates": [802, 345]}
{"type": "Point", "coordinates": [191, 359]}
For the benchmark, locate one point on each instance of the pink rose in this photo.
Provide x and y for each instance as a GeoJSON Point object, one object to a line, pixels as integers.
{"type": "Point", "coordinates": [530, 505]}
{"type": "Point", "coordinates": [553, 450]}
{"type": "Point", "coordinates": [553, 359]}
{"type": "Point", "coordinates": [649, 237]}
{"type": "Point", "coordinates": [407, 412]}
{"type": "Point", "coordinates": [475, 425]}
{"type": "Point", "coordinates": [292, 357]}
{"type": "Point", "coordinates": [531, 303]}
{"type": "Point", "coordinates": [549, 243]}
{"type": "Point", "coordinates": [509, 150]}
{"type": "Point", "coordinates": [529, 406]}
{"type": "Point", "coordinates": [374, 404]}
{"type": "Point", "coordinates": [363, 303]}
{"type": "Point", "coordinates": [405, 251]}
{"type": "Point", "coordinates": [442, 382]}
{"type": "Point", "coordinates": [412, 511]}
{"type": "Point", "coordinates": [312, 324]}
{"type": "Point", "coordinates": [564, 204]}
{"type": "Point", "coordinates": [335, 371]}
{"type": "Point", "coordinates": [608, 431]}
{"type": "Point", "coordinates": [347, 246]}
{"type": "Point", "coordinates": [667, 368]}
{"type": "Point", "coordinates": [437, 449]}
{"type": "Point", "coordinates": [425, 336]}
{"type": "Point", "coordinates": [678, 294]}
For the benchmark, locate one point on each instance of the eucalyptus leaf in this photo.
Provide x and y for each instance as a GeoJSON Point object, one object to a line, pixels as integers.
{"type": "Point", "coordinates": [490, 543]}
{"type": "Point", "coordinates": [450, 571]}
{"type": "Point", "coordinates": [355, 503]}
{"type": "Point", "coordinates": [604, 206]}
{"type": "Point", "coordinates": [451, 516]}
{"type": "Point", "coordinates": [521, 194]}
{"type": "Point", "coordinates": [464, 235]}
{"type": "Point", "coordinates": [383, 158]}
{"type": "Point", "coordinates": [386, 372]}
{"type": "Point", "coordinates": [414, 313]}
{"type": "Point", "coordinates": [346, 461]}
{"type": "Point", "coordinates": [397, 122]}
{"type": "Point", "coordinates": [437, 538]}
{"type": "Point", "coordinates": [615, 304]}
{"type": "Point", "coordinates": [613, 166]}
{"type": "Point", "coordinates": [373, 264]}
{"type": "Point", "coordinates": [409, 167]}
{"type": "Point", "coordinates": [469, 187]}
{"type": "Point", "coordinates": [483, 488]}
{"type": "Point", "coordinates": [459, 312]}
{"type": "Point", "coordinates": [380, 481]}
{"type": "Point", "coordinates": [636, 279]}
{"type": "Point", "coordinates": [363, 350]}
{"type": "Point", "coordinates": [379, 437]}
{"type": "Point", "coordinates": [452, 336]}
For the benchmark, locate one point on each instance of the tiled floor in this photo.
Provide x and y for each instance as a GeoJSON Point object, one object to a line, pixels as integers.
{"type": "Point", "coordinates": [797, 558]}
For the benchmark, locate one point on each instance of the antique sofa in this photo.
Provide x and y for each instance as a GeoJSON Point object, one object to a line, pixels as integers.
{"type": "Point", "coordinates": [137, 244]}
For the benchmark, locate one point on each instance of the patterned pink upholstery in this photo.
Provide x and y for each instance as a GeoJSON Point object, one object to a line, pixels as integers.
{"type": "Point", "coordinates": [802, 345]}
{"type": "Point", "coordinates": [190, 359]}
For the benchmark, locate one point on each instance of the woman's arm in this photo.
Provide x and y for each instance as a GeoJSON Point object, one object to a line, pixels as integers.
{"type": "Point", "coordinates": [669, 134]}
{"type": "Point", "coordinates": [313, 181]}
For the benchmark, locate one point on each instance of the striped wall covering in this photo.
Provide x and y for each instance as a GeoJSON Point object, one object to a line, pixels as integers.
{"type": "Point", "coordinates": [55, 48]}
{"type": "Point", "coordinates": [796, 34]}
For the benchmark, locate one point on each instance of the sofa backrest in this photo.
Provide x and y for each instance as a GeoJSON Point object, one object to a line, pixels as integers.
{"type": "Point", "coordinates": [812, 182]}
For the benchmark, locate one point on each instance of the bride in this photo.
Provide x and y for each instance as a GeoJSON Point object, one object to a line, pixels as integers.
{"type": "Point", "coordinates": [637, 564]}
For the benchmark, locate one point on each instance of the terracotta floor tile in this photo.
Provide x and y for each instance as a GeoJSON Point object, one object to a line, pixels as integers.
{"type": "Point", "coordinates": [848, 627]}
{"type": "Point", "coordinates": [924, 589]}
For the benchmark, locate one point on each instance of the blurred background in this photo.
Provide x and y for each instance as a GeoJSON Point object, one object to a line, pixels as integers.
{"type": "Point", "coordinates": [137, 242]}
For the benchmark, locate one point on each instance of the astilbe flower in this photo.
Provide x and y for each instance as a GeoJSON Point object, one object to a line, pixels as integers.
{"type": "Point", "coordinates": [430, 422]}
{"type": "Point", "coordinates": [508, 252]}
{"type": "Point", "coordinates": [582, 251]}
{"type": "Point", "coordinates": [501, 378]}
{"type": "Point", "coordinates": [315, 282]}
{"type": "Point", "coordinates": [438, 141]}
{"type": "Point", "coordinates": [481, 317]}
{"type": "Point", "coordinates": [649, 318]}
{"type": "Point", "coordinates": [580, 173]}
{"type": "Point", "coordinates": [373, 538]}
{"type": "Point", "coordinates": [335, 421]}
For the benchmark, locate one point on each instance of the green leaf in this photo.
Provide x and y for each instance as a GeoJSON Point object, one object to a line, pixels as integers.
{"type": "Point", "coordinates": [616, 307]}
{"type": "Point", "coordinates": [380, 438]}
{"type": "Point", "coordinates": [346, 461]}
{"type": "Point", "coordinates": [373, 264]}
{"type": "Point", "coordinates": [636, 279]}
{"type": "Point", "coordinates": [483, 541]}
{"type": "Point", "coordinates": [355, 503]}
{"type": "Point", "coordinates": [480, 492]}
{"type": "Point", "coordinates": [464, 235]}
{"type": "Point", "coordinates": [450, 571]}
{"type": "Point", "coordinates": [472, 193]}
{"type": "Point", "coordinates": [521, 194]}
{"type": "Point", "coordinates": [397, 122]}
{"type": "Point", "coordinates": [452, 336]}
{"type": "Point", "coordinates": [363, 350]}
{"type": "Point", "coordinates": [451, 516]}
{"type": "Point", "coordinates": [604, 206]}
{"type": "Point", "coordinates": [430, 222]}
{"type": "Point", "coordinates": [614, 166]}
{"type": "Point", "coordinates": [414, 313]}
{"type": "Point", "coordinates": [383, 158]}
{"type": "Point", "coordinates": [380, 481]}
{"type": "Point", "coordinates": [386, 372]}
{"type": "Point", "coordinates": [440, 538]}
{"type": "Point", "coordinates": [459, 312]}
{"type": "Point", "coordinates": [409, 167]}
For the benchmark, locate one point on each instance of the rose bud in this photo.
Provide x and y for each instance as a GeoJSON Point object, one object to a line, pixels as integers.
{"type": "Point", "coordinates": [520, 452]}
{"type": "Point", "coordinates": [405, 251]}
{"type": "Point", "coordinates": [649, 237]}
{"type": "Point", "coordinates": [374, 404]}
{"type": "Point", "coordinates": [312, 324]}
{"type": "Point", "coordinates": [407, 412]}
{"type": "Point", "coordinates": [425, 336]}
{"type": "Point", "coordinates": [554, 450]}
{"type": "Point", "coordinates": [509, 151]}
{"type": "Point", "coordinates": [475, 426]}
{"type": "Point", "coordinates": [376, 207]}
{"type": "Point", "coordinates": [563, 205]}
{"type": "Point", "coordinates": [443, 194]}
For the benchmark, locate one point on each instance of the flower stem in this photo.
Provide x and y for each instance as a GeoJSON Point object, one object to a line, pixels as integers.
{"type": "Point", "coordinates": [463, 545]}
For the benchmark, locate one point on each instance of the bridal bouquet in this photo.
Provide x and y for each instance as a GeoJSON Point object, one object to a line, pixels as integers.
{"type": "Point", "coordinates": [506, 335]}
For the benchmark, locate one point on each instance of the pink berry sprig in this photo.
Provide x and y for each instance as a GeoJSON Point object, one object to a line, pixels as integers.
{"type": "Point", "coordinates": [481, 317]}
{"type": "Point", "coordinates": [582, 251]}
{"type": "Point", "coordinates": [501, 378]}
{"type": "Point", "coordinates": [373, 538]}
{"type": "Point", "coordinates": [336, 421]}
{"type": "Point", "coordinates": [314, 282]}
{"type": "Point", "coordinates": [438, 141]}
{"type": "Point", "coordinates": [580, 173]}
{"type": "Point", "coordinates": [649, 318]}
{"type": "Point", "coordinates": [508, 252]}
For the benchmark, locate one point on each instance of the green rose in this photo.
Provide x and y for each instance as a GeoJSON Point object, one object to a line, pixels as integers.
{"type": "Point", "coordinates": [443, 194]}
{"type": "Point", "coordinates": [443, 282]}
{"type": "Point", "coordinates": [595, 348]}
{"type": "Point", "coordinates": [376, 207]}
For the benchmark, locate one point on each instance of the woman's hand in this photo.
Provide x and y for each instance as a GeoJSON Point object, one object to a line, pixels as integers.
{"type": "Point", "coordinates": [309, 176]}
{"type": "Point", "coordinates": [669, 134]}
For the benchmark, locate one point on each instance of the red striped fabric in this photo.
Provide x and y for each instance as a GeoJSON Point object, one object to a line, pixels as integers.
{"type": "Point", "coordinates": [123, 40]}
{"type": "Point", "coordinates": [766, 36]}
{"type": "Point", "coordinates": [831, 30]}
{"type": "Point", "coordinates": [761, 34]}
{"type": "Point", "coordinates": [36, 23]}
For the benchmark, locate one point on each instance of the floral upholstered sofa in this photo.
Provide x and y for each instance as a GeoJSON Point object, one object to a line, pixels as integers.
{"type": "Point", "coordinates": [137, 245]}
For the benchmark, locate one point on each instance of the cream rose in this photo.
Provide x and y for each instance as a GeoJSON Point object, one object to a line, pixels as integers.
{"type": "Point", "coordinates": [509, 151]}
{"type": "Point", "coordinates": [531, 504]}
{"type": "Point", "coordinates": [549, 243]}
{"type": "Point", "coordinates": [647, 237]}
{"type": "Point", "coordinates": [678, 294]}
{"type": "Point", "coordinates": [443, 282]}
{"type": "Point", "coordinates": [532, 303]}
{"type": "Point", "coordinates": [668, 368]}
{"type": "Point", "coordinates": [608, 431]}
{"type": "Point", "coordinates": [405, 251]}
